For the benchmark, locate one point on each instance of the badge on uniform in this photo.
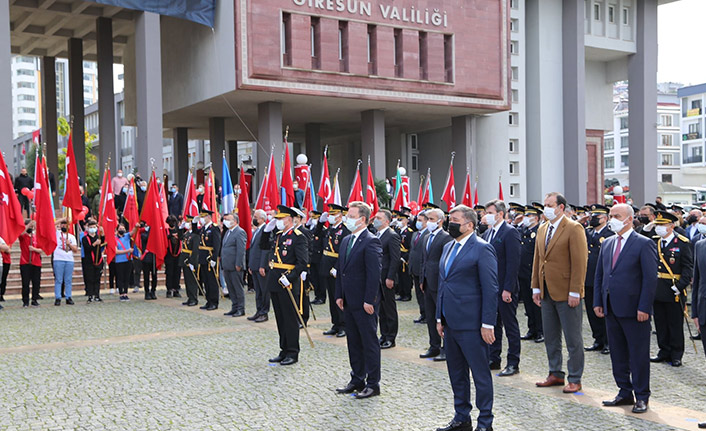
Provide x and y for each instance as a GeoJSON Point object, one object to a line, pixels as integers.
{"type": "Point", "coordinates": [340, 231]}
{"type": "Point", "coordinates": [288, 242]}
{"type": "Point", "coordinates": [601, 240]}
{"type": "Point", "coordinates": [672, 260]}
{"type": "Point", "coordinates": [284, 252]}
{"type": "Point", "coordinates": [335, 241]}
{"type": "Point", "coordinates": [533, 235]}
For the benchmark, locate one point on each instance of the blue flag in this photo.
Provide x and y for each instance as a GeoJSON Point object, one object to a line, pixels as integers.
{"type": "Point", "coordinates": [227, 195]}
{"type": "Point", "coordinates": [200, 11]}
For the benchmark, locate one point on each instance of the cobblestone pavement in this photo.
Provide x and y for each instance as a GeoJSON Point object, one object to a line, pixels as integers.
{"type": "Point", "coordinates": [159, 366]}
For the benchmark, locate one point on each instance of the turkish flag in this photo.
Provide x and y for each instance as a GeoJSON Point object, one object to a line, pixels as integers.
{"type": "Point", "coordinates": [72, 193]}
{"type": "Point", "coordinates": [286, 182]}
{"type": "Point", "coordinates": [244, 216]}
{"type": "Point", "coordinates": [11, 220]}
{"type": "Point", "coordinates": [191, 205]}
{"type": "Point", "coordinates": [475, 194]}
{"type": "Point", "coordinates": [308, 203]}
{"type": "Point", "coordinates": [152, 216]}
{"type": "Point", "coordinates": [466, 200]}
{"type": "Point", "coordinates": [272, 191]}
{"type": "Point", "coordinates": [44, 214]}
{"type": "Point", "coordinates": [500, 190]}
{"type": "Point", "coordinates": [356, 193]}
{"type": "Point", "coordinates": [130, 212]}
{"type": "Point", "coordinates": [209, 196]}
{"type": "Point", "coordinates": [108, 217]}
{"type": "Point", "coordinates": [371, 195]}
{"type": "Point", "coordinates": [449, 195]}
{"type": "Point", "coordinates": [163, 202]}
{"type": "Point", "coordinates": [325, 191]}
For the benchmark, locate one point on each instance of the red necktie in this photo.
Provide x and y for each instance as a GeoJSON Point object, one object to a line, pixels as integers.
{"type": "Point", "coordinates": [616, 253]}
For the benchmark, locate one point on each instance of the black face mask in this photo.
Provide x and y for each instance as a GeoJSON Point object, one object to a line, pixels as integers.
{"type": "Point", "coordinates": [643, 219]}
{"type": "Point", "coordinates": [482, 228]}
{"type": "Point", "coordinates": [63, 229]}
{"type": "Point", "coordinates": [691, 219]}
{"type": "Point", "coordinates": [595, 221]}
{"type": "Point", "coordinates": [29, 231]}
{"type": "Point", "coordinates": [455, 230]}
{"type": "Point", "coordinates": [121, 232]}
{"type": "Point", "coordinates": [256, 222]}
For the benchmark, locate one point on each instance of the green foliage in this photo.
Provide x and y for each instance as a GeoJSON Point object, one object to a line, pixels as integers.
{"type": "Point", "coordinates": [31, 159]}
{"type": "Point", "coordinates": [92, 174]}
{"type": "Point", "coordinates": [380, 190]}
{"type": "Point", "coordinates": [63, 127]}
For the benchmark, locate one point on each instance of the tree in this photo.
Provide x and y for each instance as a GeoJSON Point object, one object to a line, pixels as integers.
{"type": "Point", "coordinates": [30, 159]}
{"type": "Point", "coordinates": [92, 180]}
{"type": "Point", "coordinates": [381, 191]}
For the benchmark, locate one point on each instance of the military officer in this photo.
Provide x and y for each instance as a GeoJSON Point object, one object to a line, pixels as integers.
{"type": "Point", "coordinates": [305, 279]}
{"type": "Point", "coordinates": [528, 235]}
{"type": "Point", "coordinates": [327, 273]}
{"type": "Point", "coordinates": [189, 259]}
{"type": "Point", "coordinates": [404, 274]}
{"type": "Point", "coordinates": [317, 248]}
{"type": "Point", "coordinates": [596, 233]}
{"type": "Point", "coordinates": [674, 275]}
{"type": "Point", "coordinates": [209, 250]}
{"type": "Point", "coordinates": [288, 258]}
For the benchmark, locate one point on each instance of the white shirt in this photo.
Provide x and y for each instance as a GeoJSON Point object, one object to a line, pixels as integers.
{"type": "Point", "coordinates": [668, 239]}
{"type": "Point", "coordinates": [63, 252]}
{"type": "Point", "coordinates": [354, 237]}
{"type": "Point", "coordinates": [625, 238]}
{"type": "Point", "coordinates": [555, 224]}
{"type": "Point", "coordinates": [381, 232]}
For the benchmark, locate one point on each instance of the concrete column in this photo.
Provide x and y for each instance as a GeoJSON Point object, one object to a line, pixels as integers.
{"type": "Point", "coordinates": [461, 134]}
{"type": "Point", "coordinates": [181, 156]}
{"type": "Point", "coordinates": [372, 138]}
{"type": "Point", "coordinates": [76, 104]}
{"type": "Point", "coordinates": [6, 86]}
{"type": "Point", "coordinates": [148, 88]}
{"type": "Point", "coordinates": [49, 133]}
{"type": "Point", "coordinates": [217, 139]}
{"type": "Point", "coordinates": [574, 97]}
{"type": "Point", "coordinates": [233, 160]}
{"type": "Point", "coordinates": [642, 81]}
{"type": "Point", "coordinates": [314, 152]}
{"type": "Point", "coordinates": [269, 134]}
{"type": "Point", "coordinates": [106, 97]}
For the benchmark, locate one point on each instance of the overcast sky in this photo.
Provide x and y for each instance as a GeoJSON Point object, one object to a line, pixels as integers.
{"type": "Point", "coordinates": [681, 35]}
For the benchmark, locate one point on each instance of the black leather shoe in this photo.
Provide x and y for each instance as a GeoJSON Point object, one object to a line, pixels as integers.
{"type": "Point", "coordinates": [57, 302]}
{"type": "Point", "coordinates": [176, 294]}
{"type": "Point", "coordinates": [657, 359]}
{"type": "Point", "coordinates": [605, 351]}
{"type": "Point", "coordinates": [494, 365]}
{"type": "Point", "coordinates": [420, 319]}
{"type": "Point", "coordinates": [278, 358]}
{"type": "Point", "coordinates": [205, 306]}
{"type": "Point", "coordinates": [529, 336]}
{"type": "Point", "coordinates": [35, 303]}
{"type": "Point", "coordinates": [702, 425]}
{"type": "Point", "coordinates": [169, 293]}
{"type": "Point", "coordinates": [387, 345]}
{"type": "Point", "coordinates": [676, 363]}
{"type": "Point", "coordinates": [2, 299]}
{"type": "Point", "coordinates": [69, 301]}
{"type": "Point", "coordinates": [457, 426]}
{"type": "Point", "coordinates": [238, 313]}
{"type": "Point", "coordinates": [440, 358]}
{"type": "Point", "coordinates": [430, 353]}
{"type": "Point", "coordinates": [350, 388]}
{"type": "Point", "coordinates": [332, 331]}
{"type": "Point", "coordinates": [640, 406]}
{"type": "Point", "coordinates": [288, 361]}
{"type": "Point", "coordinates": [211, 307]}
{"type": "Point", "coordinates": [192, 303]}
{"type": "Point", "coordinates": [594, 347]}
{"type": "Point", "coordinates": [510, 370]}
{"type": "Point", "coordinates": [153, 295]}
{"type": "Point", "coordinates": [318, 302]}
{"type": "Point", "coordinates": [406, 298]}
{"type": "Point", "coordinates": [367, 393]}
{"type": "Point", "coordinates": [539, 339]}
{"type": "Point", "coordinates": [697, 337]}
{"type": "Point", "coordinates": [341, 333]}
{"type": "Point", "coordinates": [253, 317]}
{"type": "Point", "coordinates": [484, 429]}
{"type": "Point", "coordinates": [619, 401]}
{"type": "Point", "coordinates": [262, 318]}
{"type": "Point", "coordinates": [230, 313]}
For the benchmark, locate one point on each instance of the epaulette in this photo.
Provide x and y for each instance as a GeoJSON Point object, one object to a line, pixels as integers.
{"type": "Point", "coordinates": [683, 238]}
{"type": "Point", "coordinates": [656, 237]}
{"type": "Point", "coordinates": [297, 232]}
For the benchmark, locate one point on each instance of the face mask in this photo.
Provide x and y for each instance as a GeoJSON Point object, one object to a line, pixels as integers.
{"type": "Point", "coordinates": [691, 219]}
{"type": "Point", "coordinates": [376, 224]}
{"type": "Point", "coordinates": [121, 232]}
{"type": "Point", "coordinates": [595, 221]}
{"type": "Point", "coordinates": [143, 188]}
{"type": "Point", "coordinates": [455, 230]}
{"type": "Point", "coordinates": [490, 219]}
{"type": "Point", "coordinates": [661, 231]}
{"type": "Point", "coordinates": [228, 223]}
{"type": "Point", "coordinates": [147, 228]}
{"type": "Point", "coordinates": [526, 221]}
{"type": "Point", "coordinates": [200, 190]}
{"type": "Point", "coordinates": [64, 229]}
{"type": "Point", "coordinates": [203, 221]}
{"type": "Point", "coordinates": [482, 228]}
{"type": "Point", "coordinates": [120, 174]}
{"type": "Point", "coordinates": [295, 187]}
{"type": "Point", "coordinates": [173, 190]}
{"type": "Point", "coordinates": [29, 231]}
{"type": "Point", "coordinates": [279, 224]}
{"type": "Point", "coordinates": [643, 219]}
{"type": "Point", "coordinates": [124, 189]}
{"type": "Point", "coordinates": [92, 230]}
{"type": "Point", "coordinates": [351, 223]}
{"type": "Point", "coordinates": [616, 225]}
{"type": "Point", "coordinates": [256, 222]}
{"type": "Point", "coordinates": [432, 226]}
{"type": "Point", "coordinates": [701, 228]}
{"type": "Point", "coordinates": [549, 213]}
{"type": "Point", "coordinates": [419, 225]}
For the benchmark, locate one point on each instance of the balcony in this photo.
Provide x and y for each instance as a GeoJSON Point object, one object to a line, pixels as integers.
{"type": "Point", "coordinates": [690, 136]}
{"type": "Point", "coordinates": [693, 112]}
{"type": "Point", "coordinates": [693, 159]}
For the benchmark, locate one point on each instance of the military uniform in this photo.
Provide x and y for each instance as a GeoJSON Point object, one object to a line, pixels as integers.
{"type": "Point", "coordinates": [594, 240]}
{"type": "Point", "coordinates": [528, 236]}
{"type": "Point", "coordinates": [288, 258]}
{"type": "Point", "coordinates": [316, 252]}
{"type": "Point", "coordinates": [332, 242]}
{"type": "Point", "coordinates": [209, 250]}
{"type": "Point", "coordinates": [171, 261]}
{"type": "Point", "coordinates": [404, 274]}
{"type": "Point", "coordinates": [92, 264]}
{"type": "Point", "coordinates": [675, 269]}
{"type": "Point", "coordinates": [303, 298]}
{"type": "Point", "coordinates": [190, 256]}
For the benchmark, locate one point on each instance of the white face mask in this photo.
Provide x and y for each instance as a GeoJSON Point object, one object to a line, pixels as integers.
{"type": "Point", "coordinates": [432, 225]}
{"type": "Point", "coordinates": [701, 228]}
{"type": "Point", "coordinates": [92, 230]}
{"type": "Point", "coordinates": [120, 174]}
{"type": "Point", "coordinates": [616, 225]}
{"type": "Point", "coordinates": [661, 231]}
{"type": "Point", "coordinates": [490, 219]}
{"type": "Point", "coordinates": [351, 223]}
{"type": "Point", "coordinates": [526, 221]}
{"type": "Point", "coordinates": [228, 223]}
{"type": "Point", "coordinates": [279, 224]}
{"type": "Point", "coordinates": [549, 213]}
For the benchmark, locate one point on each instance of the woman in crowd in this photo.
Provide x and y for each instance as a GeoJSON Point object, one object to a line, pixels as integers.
{"type": "Point", "coordinates": [66, 246]}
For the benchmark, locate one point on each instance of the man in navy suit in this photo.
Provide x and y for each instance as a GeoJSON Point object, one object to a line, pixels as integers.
{"type": "Point", "coordinates": [466, 315]}
{"type": "Point", "coordinates": [508, 247]}
{"type": "Point", "coordinates": [257, 262]}
{"type": "Point", "coordinates": [698, 294]}
{"type": "Point", "coordinates": [358, 270]}
{"type": "Point", "coordinates": [624, 290]}
{"type": "Point", "coordinates": [390, 242]}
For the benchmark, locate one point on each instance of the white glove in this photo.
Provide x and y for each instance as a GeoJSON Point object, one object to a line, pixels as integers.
{"type": "Point", "coordinates": [284, 281]}
{"type": "Point", "coordinates": [323, 218]}
{"type": "Point", "coordinates": [270, 226]}
{"type": "Point", "coordinates": [676, 291]}
{"type": "Point", "coordinates": [191, 267]}
{"type": "Point", "coordinates": [303, 276]}
{"type": "Point", "coordinates": [213, 263]}
{"type": "Point", "coordinates": [333, 272]}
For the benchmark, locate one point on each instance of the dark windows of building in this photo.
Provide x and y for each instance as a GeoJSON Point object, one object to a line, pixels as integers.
{"type": "Point", "coordinates": [423, 56]}
{"type": "Point", "coordinates": [667, 178]}
{"type": "Point", "coordinates": [25, 97]}
{"type": "Point", "coordinates": [449, 57]}
{"type": "Point", "coordinates": [286, 39]}
{"type": "Point", "coordinates": [398, 53]}
{"type": "Point", "coordinates": [27, 123]}
{"type": "Point", "coordinates": [315, 36]}
{"type": "Point", "coordinates": [25, 72]}
{"type": "Point", "coordinates": [372, 50]}
{"type": "Point", "coordinates": [24, 84]}
{"type": "Point", "coordinates": [667, 159]}
{"type": "Point", "coordinates": [624, 142]}
{"type": "Point", "coordinates": [624, 162]}
{"type": "Point", "coordinates": [343, 45]}
{"type": "Point", "coordinates": [609, 144]}
{"type": "Point", "coordinates": [611, 14]}
{"type": "Point", "coordinates": [623, 123]}
{"type": "Point", "coordinates": [609, 163]}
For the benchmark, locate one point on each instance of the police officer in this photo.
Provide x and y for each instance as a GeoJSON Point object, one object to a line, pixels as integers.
{"type": "Point", "coordinates": [209, 250]}
{"type": "Point", "coordinates": [189, 260]}
{"type": "Point", "coordinates": [288, 258]}
{"type": "Point", "coordinates": [404, 275]}
{"type": "Point", "coordinates": [596, 233]}
{"type": "Point", "coordinates": [674, 275]}
{"type": "Point", "coordinates": [528, 235]}
{"type": "Point", "coordinates": [327, 273]}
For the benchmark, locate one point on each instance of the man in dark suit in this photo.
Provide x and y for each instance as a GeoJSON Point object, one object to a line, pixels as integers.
{"type": "Point", "coordinates": [358, 293]}
{"type": "Point", "coordinates": [467, 312]}
{"type": "Point", "coordinates": [332, 238]}
{"type": "Point", "coordinates": [257, 262]}
{"type": "Point", "coordinates": [233, 262]}
{"type": "Point", "coordinates": [175, 201]}
{"type": "Point", "coordinates": [698, 294]}
{"type": "Point", "coordinates": [624, 290]}
{"type": "Point", "coordinates": [506, 241]}
{"type": "Point", "coordinates": [390, 243]}
{"type": "Point", "coordinates": [415, 262]}
{"type": "Point", "coordinates": [431, 254]}
{"type": "Point", "coordinates": [595, 235]}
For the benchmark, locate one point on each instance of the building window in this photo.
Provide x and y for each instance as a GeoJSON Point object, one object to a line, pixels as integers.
{"type": "Point", "coordinates": [286, 39]}
{"type": "Point", "coordinates": [514, 4]}
{"type": "Point", "coordinates": [666, 140]}
{"type": "Point", "coordinates": [372, 50]}
{"type": "Point", "coordinates": [665, 120]}
{"type": "Point", "coordinates": [315, 35]}
{"type": "Point", "coordinates": [624, 142]}
{"type": "Point", "coordinates": [343, 45]}
{"type": "Point", "coordinates": [415, 162]}
{"type": "Point", "coordinates": [449, 57]}
{"type": "Point", "coordinates": [515, 73]}
{"type": "Point", "coordinates": [25, 72]}
{"type": "Point", "coordinates": [514, 190]}
{"type": "Point", "coordinates": [626, 16]}
{"type": "Point", "coordinates": [514, 47]}
{"type": "Point", "coordinates": [623, 123]}
{"type": "Point", "coordinates": [22, 110]}
{"type": "Point", "coordinates": [609, 144]}
{"type": "Point", "coordinates": [696, 104]}
{"type": "Point", "coordinates": [514, 168]}
{"type": "Point", "coordinates": [25, 98]}
{"type": "Point", "coordinates": [624, 161]}
{"type": "Point", "coordinates": [611, 14]}
{"type": "Point", "coordinates": [667, 160]}
{"type": "Point", "coordinates": [514, 118]}
{"type": "Point", "coordinates": [667, 178]}
{"type": "Point", "coordinates": [423, 56]}
{"type": "Point", "coordinates": [398, 52]}
{"type": "Point", "coordinates": [515, 96]}
{"type": "Point", "coordinates": [514, 146]}
{"type": "Point", "coordinates": [27, 123]}
{"type": "Point", "coordinates": [609, 163]}
{"type": "Point", "coordinates": [596, 11]}
{"type": "Point", "coordinates": [25, 85]}
{"type": "Point", "coordinates": [514, 25]}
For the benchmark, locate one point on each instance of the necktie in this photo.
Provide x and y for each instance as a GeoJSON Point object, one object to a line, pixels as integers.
{"type": "Point", "coordinates": [226, 237]}
{"type": "Point", "coordinates": [350, 247]}
{"type": "Point", "coordinates": [549, 235]}
{"type": "Point", "coordinates": [452, 256]}
{"type": "Point", "coordinates": [431, 238]}
{"type": "Point", "coordinates": [616, 253]}
{"type": "Point", "coordinates": [416, 239]}
{"type": "Point", "coordinates": [664, 244]}
{"type": "Point", "coordinates": [492, 235]}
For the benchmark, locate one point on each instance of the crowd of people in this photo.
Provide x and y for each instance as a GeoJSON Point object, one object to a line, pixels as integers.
{"type": "Point", "coordinates": [468, 270]}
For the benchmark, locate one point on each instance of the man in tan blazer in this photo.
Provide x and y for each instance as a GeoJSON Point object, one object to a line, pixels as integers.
{"type": "Point", "coordinates": [558, 276]}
